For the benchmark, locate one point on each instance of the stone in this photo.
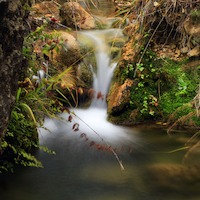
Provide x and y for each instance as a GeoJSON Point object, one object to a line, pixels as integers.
{"type": "Point", "coordinates": [184, 50]}
{"type": "Point", "coordinates": [178, 52]}
{"type": "Point", "coordinates": [173, 46]}
{"type": "Point", "coordinates": [119, 96]}
{"type": "Point", "coordinates": [194, 52]}
{"type": "Point", "coordinates": [73, 14]}
{"type": "Point", "coordinates": [192, 29]}
{"type": "Point", "coordinates": [67, 58]}
{"type": "Point", "coordinates": [46, 7]}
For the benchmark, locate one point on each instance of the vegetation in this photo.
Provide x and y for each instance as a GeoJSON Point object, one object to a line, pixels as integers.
{"type": "Point", "coordinates": [35, 100]}
{"type": "Point", "coordinates": [167, 88]}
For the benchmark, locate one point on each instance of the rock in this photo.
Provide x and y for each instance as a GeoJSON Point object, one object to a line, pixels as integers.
{"type": "Point", "coordinates": [178, 52]}
{"type": "Point", "coordinates": [173, 177]}
{"type": "Point", "coordinates": [131, 29]}
{"type": "Point", "coordinates": [85, 44]}
{"type": "Point", "coordinates": [66, 58]}
{"type": "Point", "coordinates": [115, 52]}
{"type": "Point", "coordinates": [192, 29]}
{"type": "Point", "coordinates": [46, 7]}
{"type": "Point", "coordinates": [184, 50]}
{"type": "Point", "coordinates": [173, 46]}
{"type": "Point", "coordinates": [194, 52]}
{"type": "Point", "coordinates": [118, 42]}
{"type": "Point", "coordinates": [73, 14]}
{"type": "Point", "coordinates": [119, 96]}
{"type": "Point", "coordinates": [166, 55]}
{"type": "Point", "coordinates": [84, 76]}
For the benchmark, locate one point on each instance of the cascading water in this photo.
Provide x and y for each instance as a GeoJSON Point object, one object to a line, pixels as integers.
{"type": "Point", "coordinates": [105, 69]}
{"type": "Point", "coordinates": [93, 120]}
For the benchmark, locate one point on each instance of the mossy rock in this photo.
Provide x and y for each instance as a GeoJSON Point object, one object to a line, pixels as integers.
{"type": "Point", "coordinates": [101, 26]}
{"type": "Point", "coordinates": [84, 76]}
{"type": "Point", "coordinates": [118, 42]}
{"type": "Point", "coordinates": [169, 84]}
{"type": "Point", "coordinates": [115, 52]}
{"type": "Point", "coordinates": [85, 44]}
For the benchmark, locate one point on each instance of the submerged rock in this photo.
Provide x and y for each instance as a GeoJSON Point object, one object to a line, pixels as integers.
{"type": "Point", "coordinates": [173, 177]}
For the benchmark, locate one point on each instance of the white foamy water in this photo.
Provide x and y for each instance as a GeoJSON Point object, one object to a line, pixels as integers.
{"type": "Point", "coordinates": [93, 121]}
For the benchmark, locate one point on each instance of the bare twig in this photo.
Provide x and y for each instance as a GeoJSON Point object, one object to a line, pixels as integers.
{"type": "Point", "coordinates": [116, 156]}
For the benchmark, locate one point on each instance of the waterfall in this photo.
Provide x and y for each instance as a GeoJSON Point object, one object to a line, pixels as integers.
{"type": "Point", "coordinates": [93, 121]}
{"type": "Point", "coordinates": [105, 69]}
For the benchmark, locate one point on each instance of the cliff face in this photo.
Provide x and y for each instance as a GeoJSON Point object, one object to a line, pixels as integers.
{"type": "Point", "coordinates": [13, 27]}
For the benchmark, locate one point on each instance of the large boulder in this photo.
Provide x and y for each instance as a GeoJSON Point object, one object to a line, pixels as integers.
{"type": "Point", "coordinates": [73, 14]}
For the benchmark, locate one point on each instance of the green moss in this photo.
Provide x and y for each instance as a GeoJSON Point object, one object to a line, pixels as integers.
{"type": "Point", "coordinates": [121, 118]}
{"type": "Point", "coordinates": [118, 42]}
{"type": "Point", "coordinates": [195, 15]}
{"type": "Point", "coordinates": [99, 25]}
{"type": "Point", "coordinates": [115, 52]}
{"type": "Point", "coordinates": [85, 76]}
{"type": "Point", "coordinates": [169, 84]}
{"type": "Point", "coordinates": [85, 44]}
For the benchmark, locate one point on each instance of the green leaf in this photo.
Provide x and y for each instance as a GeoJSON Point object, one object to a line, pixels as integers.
{"type": "Point", "coordinates": [45, 51]}
{"type": "Point", "coordinates": [64, 48]}
{"type": "Point", "coordinates": [57, 49]}
{"type": "Point", "coordinates": [141, 68]}
{"type": "Point", "coordinates": [18, 94]}
{"type": "Point", "coordinates": [28, 110]}
{"type": "Point", "coordinates": [14, 114]}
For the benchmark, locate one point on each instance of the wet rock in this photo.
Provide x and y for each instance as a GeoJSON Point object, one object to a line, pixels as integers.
{"type": "Point", "coordinates": [119, 96]}
{"type": "Point", "coordinates": [85, 44]}
{"type": "Point", "coordinates": [73, 14]}
{"type": "Point", "coordinates": [115, 52]}
{"type": "Point", "coordinates": [84, 76]}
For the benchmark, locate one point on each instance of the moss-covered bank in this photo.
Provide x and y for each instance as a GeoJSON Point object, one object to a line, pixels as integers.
{"type": "Point", "coordinates": [154, 57]}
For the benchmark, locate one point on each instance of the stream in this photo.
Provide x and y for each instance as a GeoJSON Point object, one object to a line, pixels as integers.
{"type": "Point", "coordinates": [85, 168]}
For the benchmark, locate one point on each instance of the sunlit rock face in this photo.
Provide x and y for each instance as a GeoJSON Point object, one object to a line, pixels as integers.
{"type": "Point", "coordinates": [73, 14]}
{"type": "Point", "coordinates": [119, 97]}
{"type": "Point", "coordinates": [12, 32]}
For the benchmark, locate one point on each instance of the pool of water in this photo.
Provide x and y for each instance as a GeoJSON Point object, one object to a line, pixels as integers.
{"type": "Point", "coordinates": [82, 171]}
